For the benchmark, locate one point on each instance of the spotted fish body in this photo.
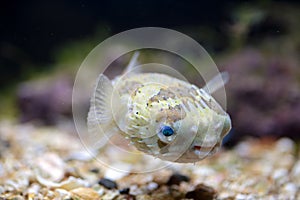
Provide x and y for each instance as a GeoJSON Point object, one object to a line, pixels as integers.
{"type": "Point", "coordinates": [160, 115]}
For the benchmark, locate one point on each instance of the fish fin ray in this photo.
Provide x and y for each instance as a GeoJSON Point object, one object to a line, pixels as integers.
{"type": "Point", "coordinates": [100, 120]}
{"type": "Point", "coordinates": [216, 82]}
{"type": "Point", "coordinates": [133, 63]}
{"type": "Point", "coordinates": [100, 105]}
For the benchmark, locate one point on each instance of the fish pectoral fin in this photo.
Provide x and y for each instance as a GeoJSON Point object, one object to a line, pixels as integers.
{"type": "Point", "coordinates": [216, 83]}
{"type": "Point", "coordinates": [100, 104]}
{"type": "Point", "coordinates": [100, 120]}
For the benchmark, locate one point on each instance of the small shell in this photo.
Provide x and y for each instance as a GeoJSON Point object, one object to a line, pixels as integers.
{"type": "Point", "coordinates": [51, 166]}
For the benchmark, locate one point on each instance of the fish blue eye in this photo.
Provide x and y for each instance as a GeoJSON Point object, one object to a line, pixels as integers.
{"type": "Point", "coordinates": [167, 131]}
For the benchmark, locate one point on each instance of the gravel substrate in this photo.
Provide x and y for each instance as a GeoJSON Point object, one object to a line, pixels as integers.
{"type": "Point", "coordinates": [39, 163]}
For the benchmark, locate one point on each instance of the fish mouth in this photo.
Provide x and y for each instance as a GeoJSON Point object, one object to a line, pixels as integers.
{"type": "Point", "coordinates": [198, 152]}
{"type": "Point", "coordinates": [203, 151]}
{"type": "Point", "coordinates": [197, 148]}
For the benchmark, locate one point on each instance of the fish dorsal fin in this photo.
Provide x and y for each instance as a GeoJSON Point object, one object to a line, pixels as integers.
{"type": "Point", "coordinates": [132, 63]}
{"type": "Point", "coordinates": [216, 82]}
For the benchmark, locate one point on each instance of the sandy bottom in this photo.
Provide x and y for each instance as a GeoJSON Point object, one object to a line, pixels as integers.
{"type": "Point", "coordinates": [48, 163]}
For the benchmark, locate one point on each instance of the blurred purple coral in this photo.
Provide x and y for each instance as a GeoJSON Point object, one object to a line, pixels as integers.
{"type": "Point", "coordinates": [45, 101]}
{"type": "Point", "coordinates": [264, 94]}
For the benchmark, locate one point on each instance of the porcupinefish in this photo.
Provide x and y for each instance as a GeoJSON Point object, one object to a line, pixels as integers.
{"type": "Point", "coordinates": [160, 115]}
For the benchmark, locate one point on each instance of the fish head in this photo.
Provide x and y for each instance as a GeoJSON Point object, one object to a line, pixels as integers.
{"type": "Point", "coordinates": [194, 137]}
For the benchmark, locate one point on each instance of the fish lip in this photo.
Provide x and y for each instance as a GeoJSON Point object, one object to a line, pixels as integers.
{"type": "Point", "coordinates": [205, 145]}
{"type": "Point", "coordinates": [201, 148]}
{"type": "Point", "coordinates": [203, 151]}
{"type": "Point", "coordinates": [193, 155]}
{"type": "Point", "coordinates": [196, 153]}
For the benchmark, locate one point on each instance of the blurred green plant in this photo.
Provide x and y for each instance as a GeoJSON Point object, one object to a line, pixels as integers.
{"type": "Point", "coordinates": [69, 56]}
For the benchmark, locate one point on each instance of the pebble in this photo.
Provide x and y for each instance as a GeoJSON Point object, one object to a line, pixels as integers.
{"type": "Point", "coordinates": [34, 189]}
{"type": "Point", "coordinates": [61, 193]}
{"type": "Point", "coordinates": [110, 195]}
{"type": "Point", "coordinates": [280, 173]}
{"type": "Point", "coordinates": [107, 183]}
{"type": "Point", "coordinates": [124, 191]}
{"type": "Point", "coordinates": [135, 190]}
{"type": "Point", "coordinates": [226, 195]}
{"type": "Point", "coordinates": [143, 197]}
{"type": "Point", "coordinates": [52, 165]}
{"type": "Point", "coordinates": [290, 189]}
{"type": "Point", "coordinates": [95, 170]}
{"type": "Point", "coordinates": [241, 196]}
{"type": "Point", "coordinates": [152, 186]}
{"type": "Point", "coordinates": [84, 193]}
{"type": "Point", "coordinates": [126, 197]}
{"type": "Point", "coordinates": [115, 175]}
{"type": "Point", "coordinates": [16, 197]}
{"type": "Point", "coordinates": [68, 184]}
{"type": "Point", "coordinates": [204, 171]}
{"type": "Point", "coordinates": [285, 145]}
{"type": "Point", "coordinates": [2, 190]}
{"type": "Point", "coordinates": [296, 169]}
{"type": "Point", "coordinates": [50, 194]}
{"type": "Point", "coordinates": [177, 178]}
{"type": "Point", "coordinates": [243, 149]}
{"type": "Point", "coordinates": [202, 192]}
